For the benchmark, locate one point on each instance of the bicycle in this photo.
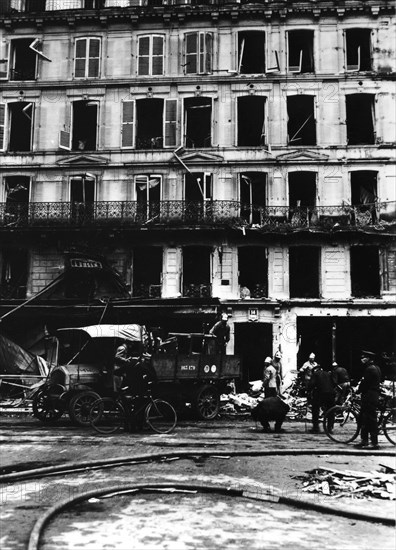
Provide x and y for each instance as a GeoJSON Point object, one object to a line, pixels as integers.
{"type": "Point", "coordinates": [341, 422]}
{"type": "Point", "coordinates": [108, 414]}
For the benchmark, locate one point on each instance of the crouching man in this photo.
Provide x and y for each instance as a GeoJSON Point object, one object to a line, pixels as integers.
{"type": "Point", "coordinates": [271, 409]}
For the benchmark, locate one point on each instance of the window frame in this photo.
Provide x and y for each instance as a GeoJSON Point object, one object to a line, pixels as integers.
{"type": "Point", "coordinates": [202, 58]}
{"type": "Point", "coordinates": [87, 59]}
{"type": "Point", "coordinates": [151, 55]}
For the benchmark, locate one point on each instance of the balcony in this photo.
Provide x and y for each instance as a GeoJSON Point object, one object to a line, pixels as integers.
{"type": "Point", "coordinates": [233, 214]}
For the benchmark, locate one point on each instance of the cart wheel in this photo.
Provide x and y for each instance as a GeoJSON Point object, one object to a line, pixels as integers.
{"type": "Point", "coordinates": [80, 407]}
{"type": "Point", "coordinates": [206, 402]}
{"type": "Point", "coordinates": [46, 406]}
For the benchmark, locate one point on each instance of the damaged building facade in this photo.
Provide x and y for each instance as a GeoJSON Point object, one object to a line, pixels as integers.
{"type": "Point", "coordinates": [209, 149]}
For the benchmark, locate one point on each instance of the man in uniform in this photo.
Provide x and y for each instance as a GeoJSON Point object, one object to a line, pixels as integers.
{"type": "Point", "coordinates": [221, 330]}
{"type": "Point", "coordinates": [369, 387]}
{"type": "Point", "coordinates": [341, 381]}
{"type": "Point", "coordinates": [307, 369]}
{"type": "Point", "coordinates": [323, 396]}
{"type": "Point", "coordinates": [269, 379]}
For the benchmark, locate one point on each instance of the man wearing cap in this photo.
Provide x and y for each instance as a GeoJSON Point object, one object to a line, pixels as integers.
{"type": "Point", "coordinates": [369, 387]}
{"type": "Point", "coordinates": [269, 379]}
{"type": "Point", "coordinates": [341, 381]}
{"type": "Point", "coordinates": [307, 369]}
{"type": "Point", "coordinates": [221, 330]}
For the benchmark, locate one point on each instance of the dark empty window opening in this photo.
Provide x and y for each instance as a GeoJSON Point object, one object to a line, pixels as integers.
{"type": "Point", "coordinates": [149, 128]}
{"type": "Point", "coordinates": [358, 49]}
{"type": "Point", "coordinates": [35, 5]}
{"type": "Point", "coordinates": [14, 274]}
{"type": "Point", "coordinates": [300, 51]}
{"type": "Point", "coordinates": [304, 271]}
{"type": "Point", "coordinates": [365, 271]}
{"type": "Point", "coordinates": [85, 120]}
{"type": "Point", "coordinates": [196, 271]}
{"type": "Point", "coordinates": [363, 187]}
{"type": "Point", "coordinates": [21, 125]}
{"type": "Point", "coordinates": [147, 269]}
{"type": "Point", "coordinates": [251, 121]}
{"type": "Point", "coordinates": [302, 189]}
{"type": "Point", "coordinates": [252, 195]}
{"type": "Point", "coordinates": [148, 194]}
{"type": "Point", "coordinates": [82, 197]}
{"type": "Point", "coordinates": [24, 60]}
{"type": "Point", "coordinates": [198, 122]}
{"type": "Point", "coordinates": [198, 197]}
{"type": "Point", "coordinates": [360, 119]}
{"type": "Point", "coordinates": [253, 271]}
{"type": "Point", "coordinates": [251, 49]}
{"type": "Point", "coordinates": [301, 120]}
{"type": "Point", "coordinates": [17, 192]}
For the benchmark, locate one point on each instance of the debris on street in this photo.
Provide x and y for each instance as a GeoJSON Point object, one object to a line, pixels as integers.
{"type": "Point", "coordinates": [349, 483]}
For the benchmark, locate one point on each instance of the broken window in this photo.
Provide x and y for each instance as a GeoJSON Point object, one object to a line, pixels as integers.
{"type": "Point", "coordinates": [87, 58]}
{"type": "Point", "coordinates": [253, 271]}
{"type": "Point", "coordinates": [197, 271]}
{"type": "Point", "coordinates": [82, 198]}
{"type": "Point", "coordinates": [358, 50]}
{"type": "Point", "coordinates": [251, 121]}
{"type": "Point", "coordinates": [364, 195]}
{"type": "Point", "coordinates": [304, 271]}
{"type": "Point", "coordinates": [300, 51]}
{"type": "Point", "coordinates": [35, 5]}
{"type": "Point", "coordinates": [17, 193]}
{"type": "Point", "coordinates": [302, 196]}
{"type": "Point", "coordinates": [151, 55]}
{"type": "Point", "coordinates": [301, 126]}
{"type": "Point", "coordinates": [23, 60]}
{"type": "Point", "coordinates": [252, 195]}
{"type": "Point", "coordinates": [20, 126]}
{"type": "Point", "coordinates": [14, 274]}
{"type": "Point", "coordinates": [360, 121]}
{"type": "Point", "coordinates": [198, 52]}
{"type": "Point", "coordinates": [365, 271]}
{"type": "Point", "coordinates": [198, 197]}
{"type": "Point", "coordinates": [198, 122]}
{"type": "Point", "coordinates": [251, 52]}
{"type": "Point", "coordinates": [148, 195]}
{"type": "Point", "coordinates": [147, 272]}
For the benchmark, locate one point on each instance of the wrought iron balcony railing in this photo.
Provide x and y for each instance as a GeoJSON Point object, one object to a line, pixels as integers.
{"type": "Point", "coordinates": [192, 213]}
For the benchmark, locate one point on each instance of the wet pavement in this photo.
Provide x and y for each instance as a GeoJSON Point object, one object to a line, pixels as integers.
{"type": "Point", "coordinates": [184, 521]}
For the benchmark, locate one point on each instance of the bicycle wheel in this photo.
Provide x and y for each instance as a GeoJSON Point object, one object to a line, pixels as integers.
{"type": "Point", "coordinates": [106, 415]}
{"type": "Point", "coordinates": [161, 416]}
{"type": "Point", "coordinates": [390, 426]}
{"type": "Point", "coordinates": [341, 424]}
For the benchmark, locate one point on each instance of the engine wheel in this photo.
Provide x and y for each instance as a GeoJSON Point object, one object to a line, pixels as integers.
{"type": "Point", "coordinates": [206, 402]}
{"type": "Point", "coordinates": [80, 407]}
{"type": "Point", "coordinates": [46, 405]}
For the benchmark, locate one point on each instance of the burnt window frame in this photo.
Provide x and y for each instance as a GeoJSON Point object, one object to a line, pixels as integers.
{"type": "Point", "coordinates": [12, 58]}
{"type": "Point", "coordinates": [318, 250]}
{"type": "Point", "coordinates": [365, 276]}
{"type": "Point", "coordinates": [255, 292]}
{"type": "Point", "coordinates": [265, 125]}
{"type": "Point", "coordinates": [359, 143]}
{"type": "Point", "coordinates": [185, 122]}
{"type": "Point", "coordinates": [203, 58]}
{"type": "Point", "coordinates": [154, 290]}
{"type": "Point", "coordinates": [247, 210]}
{"type": "Point", "coordinates": [151, 56]}
{"type": "Point", "coordinates": [291, 139]}
{"type": "Point", "coordinates": [238, 49]}
{"type": "Point", "coordinates": [209, 249]}
{"type": "Point", "coordinates": [87, 58]}
{"type": "Point", "coordinates": [357, 68]}
{"type": "Point", "coordinates": [291, 68]}
{"type": "Point", "coordinates": [151, 209]}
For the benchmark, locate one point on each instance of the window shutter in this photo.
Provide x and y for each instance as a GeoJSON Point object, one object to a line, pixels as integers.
{"type": "Point", "coordinates": [3, 60]}
{"type": "Point", "coordinates": [158, 55]}
{"type": "Point", "coordinates": [16, 5]}
{"type": "Point", "coordinates": [144, 56]}
{"type": "Point", "coordinates": [2, 126]}
{"type": "Point", "coordinates": [65, 134]}
{"type": "Point", "coordinates": [201, 63]}
{"type": "Point", "coordinates": [80, 58]}
{"type": "Point", "coordinates": [191, 50]}
{"type": "Point", "coordinates": [128, 118]}
{"type": "Point", "coordinates": [94, 57]}
{"type": "Point", "coordinates": [209, 50]}
{"type": "Point", "coordinates": [208, 186]}
{"type": "Point", "coordinates": [170, 120]}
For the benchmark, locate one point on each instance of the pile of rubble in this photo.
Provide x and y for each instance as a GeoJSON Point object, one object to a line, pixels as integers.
{"type": "Point", "coordinates": [349, 483]}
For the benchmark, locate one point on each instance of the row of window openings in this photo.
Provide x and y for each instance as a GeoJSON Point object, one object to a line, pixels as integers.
{"type": "Point", "coordinates": [198, 56]}
{"type": "Point", "coordinates": [153, 123]}
{"type": "Point", "coordinates": [304, 272]}
{"type": "Point", "coordinates": [198, 187]}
